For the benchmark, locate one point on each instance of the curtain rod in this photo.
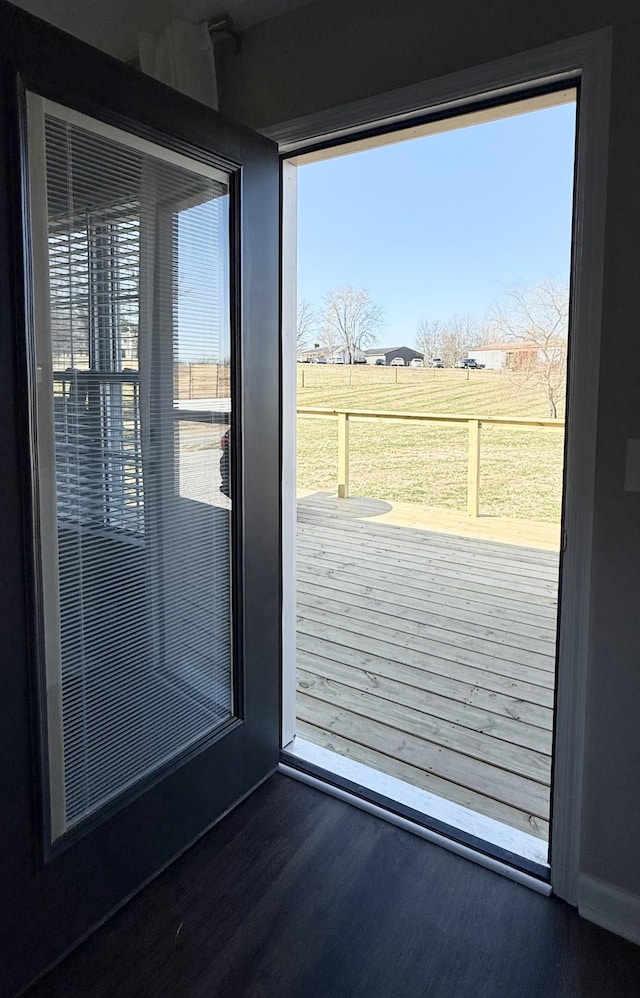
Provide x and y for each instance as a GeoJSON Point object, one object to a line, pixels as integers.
{"type": "Point", "coordinates": [223, 24]}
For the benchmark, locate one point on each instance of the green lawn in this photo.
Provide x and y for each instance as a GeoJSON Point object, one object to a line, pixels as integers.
{"type": "Point", "coordinates": [521, 470]}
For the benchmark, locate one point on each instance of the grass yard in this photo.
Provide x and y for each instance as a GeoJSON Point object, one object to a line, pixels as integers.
{"type": "Point", "coordinates": [521, 470]}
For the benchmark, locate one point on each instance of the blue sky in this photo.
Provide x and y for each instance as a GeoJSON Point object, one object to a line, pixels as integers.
{"type": "Point", "coordinates": [440, 225]}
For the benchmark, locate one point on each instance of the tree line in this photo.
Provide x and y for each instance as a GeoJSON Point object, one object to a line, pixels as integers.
{"type": "Point", "coordinates": [534, 314]}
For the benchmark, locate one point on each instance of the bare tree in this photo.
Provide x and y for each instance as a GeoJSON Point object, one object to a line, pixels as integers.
{"type": "Point", "coordinates": [460, 334]}
{"type": "Point", "coordinates": [452, 339]}
{"type": "Point", "coordinates": [457, 336]}
{"type": "Point", "coordinates": [538, 315]}
{"type": "Point", "coordinates": [429, 337]}
{"type": "Point", "coordinates": [352, 318]}
{"type": "Point", "coordinates": [306, 323]}
{"type": "Point", "coordinates": [329, 338]}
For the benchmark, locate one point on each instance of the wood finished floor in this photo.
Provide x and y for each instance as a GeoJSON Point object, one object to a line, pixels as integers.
{"type": "Point", "coordinates": [297, 895]}
{"type": "Point", "coordinates": [429, 657]}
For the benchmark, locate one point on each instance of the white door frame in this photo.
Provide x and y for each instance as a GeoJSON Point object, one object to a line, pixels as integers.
{"type": "Point", "coordinates": [585, 60]}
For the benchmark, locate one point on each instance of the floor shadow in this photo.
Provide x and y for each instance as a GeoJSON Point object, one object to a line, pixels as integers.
{"type": "Point", "coordinates": [351, 508]}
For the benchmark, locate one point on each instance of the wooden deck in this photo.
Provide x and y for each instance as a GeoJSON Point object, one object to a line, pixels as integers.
{"type": "Point", "coordinates": [428, 655]}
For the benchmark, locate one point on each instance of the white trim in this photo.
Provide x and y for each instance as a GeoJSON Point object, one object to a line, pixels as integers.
{"type": "Point", "coordinates": [524, 879]}
{"type": "Point", "coordinates": [133, 141]}
{"type": "Point", "coordinates": [586, 59]}
{"type": "Point", "coordinates": [438, 125]}
{"type": "Point", "coordinates": [46, 511]}
{"type": "Point", "coordinates": [611, 907]}
{"type": "Point", "coordinates": [289, 258]}
{"type": "Point", "coordinates": [429, 805]}
{"type": "Point", "coordinates": [590, 193]}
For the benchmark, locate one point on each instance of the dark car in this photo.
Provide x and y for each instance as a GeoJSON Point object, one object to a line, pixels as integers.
{"type": "Point", "coordinates": [225, 475]}
{"type": "Point", "coordinates": [469, 362]}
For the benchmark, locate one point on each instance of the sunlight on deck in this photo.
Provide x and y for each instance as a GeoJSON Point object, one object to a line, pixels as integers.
{"type": "Point", "coordinates": [502, 530]}
{"type": "Point", "coordinates": [426, 649]}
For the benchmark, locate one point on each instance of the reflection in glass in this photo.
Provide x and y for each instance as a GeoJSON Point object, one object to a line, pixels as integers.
{"type": "Point", "coordinates": [134, 400]}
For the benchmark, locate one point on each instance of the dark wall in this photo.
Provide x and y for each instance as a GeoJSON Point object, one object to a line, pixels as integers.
{"type": "Point", "coordinates": [330, 53]}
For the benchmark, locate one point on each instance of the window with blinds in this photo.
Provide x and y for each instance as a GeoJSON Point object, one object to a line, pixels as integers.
{"type": "Point", "coordinates": [132, 329]}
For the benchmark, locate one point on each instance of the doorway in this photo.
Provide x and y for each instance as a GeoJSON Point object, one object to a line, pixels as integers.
{"type": "Point", "coordinates": [430, 480]}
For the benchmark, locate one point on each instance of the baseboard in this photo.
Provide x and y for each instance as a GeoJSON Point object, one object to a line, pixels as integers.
{"type": "Point", "coordinates": [610, 907]}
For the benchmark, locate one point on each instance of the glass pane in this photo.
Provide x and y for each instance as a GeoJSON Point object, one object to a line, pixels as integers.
{"type": "Point", "coordinates": [134, 411]}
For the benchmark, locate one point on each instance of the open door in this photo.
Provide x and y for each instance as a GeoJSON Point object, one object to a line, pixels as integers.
{"type": "Point", "coordinates": [140, 690]}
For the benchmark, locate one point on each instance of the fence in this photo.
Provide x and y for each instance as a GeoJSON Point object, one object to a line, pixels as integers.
{"type": "Point", "coordinates": [473, 423]}
{"type": "Point", "coordinates": [196, 381]}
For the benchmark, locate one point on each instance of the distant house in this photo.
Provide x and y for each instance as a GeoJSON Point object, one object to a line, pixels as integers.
{"type": "Point", "coordinates": [313, 356]}
{"type": "Point", "coordinates": [388, 354]}
{"type": "Point", "coordinates": [324, 355]}
{"type": "Point", "coordinates": [341, 356]}
{"type": "Point", "coordinates": [514, 356]}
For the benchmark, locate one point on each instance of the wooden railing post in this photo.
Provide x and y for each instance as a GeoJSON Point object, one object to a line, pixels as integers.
{"type": "Point", "coordinates": [473, 481]}
{"type": "Point", "coordinates": [474, 424]}
{"type": "Point", "coordinates": [343, 455]}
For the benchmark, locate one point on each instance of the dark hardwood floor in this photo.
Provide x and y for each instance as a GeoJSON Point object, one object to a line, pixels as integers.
{"type": "Point", "coordinates": [297, 894]}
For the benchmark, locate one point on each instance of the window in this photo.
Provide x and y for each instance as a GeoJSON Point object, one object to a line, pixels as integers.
{"type": "Point", "coordinates": [94, 291]}
{"type": "Point", "coordinates": [132, 334]}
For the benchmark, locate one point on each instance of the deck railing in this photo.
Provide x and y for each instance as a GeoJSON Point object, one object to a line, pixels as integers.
{"type": "Point", "coordinates": [473, 423]}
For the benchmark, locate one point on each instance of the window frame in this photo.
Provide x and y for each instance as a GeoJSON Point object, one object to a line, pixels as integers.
{"type": "Point", "coordinates": [58, 834]}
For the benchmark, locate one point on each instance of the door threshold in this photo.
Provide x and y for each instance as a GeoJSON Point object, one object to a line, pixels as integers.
{"type": "Point", "coordinates": [490, 843]}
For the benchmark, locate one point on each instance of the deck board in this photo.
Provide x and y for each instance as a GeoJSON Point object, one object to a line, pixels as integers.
{"type": "Point", "coordinates": [482, 584]}
{"type": "Point", "coordinates": [451, 735]}
{"type": "Point", "coordinates": [429, 656]}
{"type": "Point", "coordinates": [451, 604]}
{"type": "Point", "coordinates": [396, 619]}
{"type": "Point", "coordinates": [397, 645]}
{"type": "Point", "coordinates": [485, 589]}
{"type": "Point", "coordinates": [463, 695]}
{"type": "Point", "coordinates": [501, 724]}
{"type": "Point", "coordinates": [412, 548]}
{"type": "Point", "coordinates": [462, 623]}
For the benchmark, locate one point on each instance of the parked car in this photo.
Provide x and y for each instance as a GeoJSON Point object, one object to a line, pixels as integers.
{"type": "Point", "coordinates": [416, 362]}
{"type": "Point", "coordinates": [379, 362]}
{"type": "Point", "coordinates": [397, 362]}
{"type": "Point", "coordinates": [469, 362]}
{"type": "Point", "coordinates": [436, 362]}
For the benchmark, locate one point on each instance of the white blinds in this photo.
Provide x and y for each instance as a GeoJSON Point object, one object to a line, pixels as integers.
{"type": "Point", "coordinates": [133, 347]}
